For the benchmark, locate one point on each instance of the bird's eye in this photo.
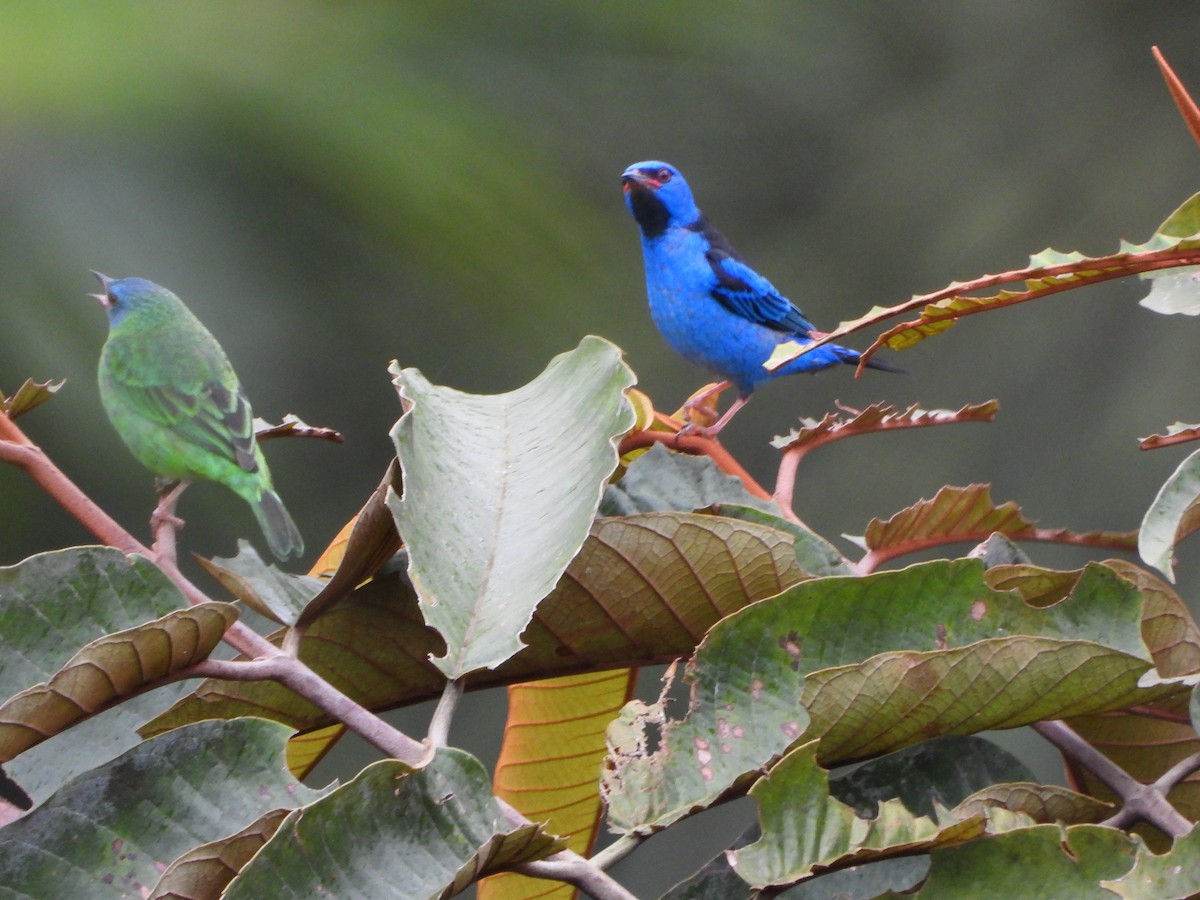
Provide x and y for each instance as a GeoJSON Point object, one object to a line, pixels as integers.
{"type": "Point", "coordinates": [663, 176]}
{"type": "Point", "coordinates": [112, 298]}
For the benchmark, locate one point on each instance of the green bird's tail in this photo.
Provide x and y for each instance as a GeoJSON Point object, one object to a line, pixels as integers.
{"type": "Point", "coordinates": [281, 532]}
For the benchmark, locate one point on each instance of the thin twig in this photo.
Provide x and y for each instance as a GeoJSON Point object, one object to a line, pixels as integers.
{"type": "Point", "coordinates": [696, 445]}
{"type": "Point", "coordinates": [439, 724]}
{"type": "Point", "coordinates": [576, 870]}
{"type": "Point", "coordinates": [1177, 773]}
{"type": "Point", "coordinates": [292, 426]}
{"type": "Point", "coordinates": [1069, 742]}
{"type": "Point", "coordinates": [566, 865]}
{"type": "Point", "coordinates": [1139, 802]}
{"type": "Point", "coordinates": [293, 674]}
{"type": "Point", "coordinates": [617, 850]}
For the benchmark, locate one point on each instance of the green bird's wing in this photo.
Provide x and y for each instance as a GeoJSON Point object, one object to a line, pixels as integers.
{"type": "Point", "coordinates": [215, 418]}
{"type": "Point", "coordinates": [195, 395]}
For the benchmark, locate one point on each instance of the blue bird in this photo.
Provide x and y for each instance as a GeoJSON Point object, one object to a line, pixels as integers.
{"type": "Point", "coordinates": [712, 308]}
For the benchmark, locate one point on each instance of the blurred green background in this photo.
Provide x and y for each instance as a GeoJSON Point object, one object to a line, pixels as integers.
{"type": "Point", "coordinates": [331, 186]}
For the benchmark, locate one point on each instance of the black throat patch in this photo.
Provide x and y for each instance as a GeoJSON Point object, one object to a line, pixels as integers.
{"type": "Point", "coordinates": [648, 211]}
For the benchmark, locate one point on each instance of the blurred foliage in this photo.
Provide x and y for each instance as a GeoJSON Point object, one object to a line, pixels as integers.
{"type": "Point", "coordinates": [332, 186]}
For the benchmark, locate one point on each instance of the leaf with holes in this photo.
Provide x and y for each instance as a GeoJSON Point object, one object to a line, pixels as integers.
{"type": "Point", "coordinates": [1155, 877]}
{"type": "Point", "coordinates": [976, 659]}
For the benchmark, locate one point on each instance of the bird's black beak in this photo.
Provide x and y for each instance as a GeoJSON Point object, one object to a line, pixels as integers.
{"type": "Point", "coordinates": [633, 180]}
{"type": "Point", "coordinates": [105, 281]}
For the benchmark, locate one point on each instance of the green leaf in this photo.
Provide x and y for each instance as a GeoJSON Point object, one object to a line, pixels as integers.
{"type": "Point", "coordinates": [203, 872]}
{"type": "Point", "coordinates": [977, 660]}
{"type": "Point", "coordinates": [814, 554]}
{"type": "Point", "coordinates": [1175, 291]}
{"type": "Point", "coordinates": [1148, 740]}
{"type": "Point", "coordinates": [1175, 874]}
{"type": "Point", "coordinates": [642, 589]}
{"type": "Point", "coordinates": [717, 881]}
{"type": "Point", "coordinates": [394, 832]}
{"type": "Point", "coordinates": [1043, 803]}
{"type": "Point", "coordinates": [499, 493]}
{"type": "Point", "coordinates": [108, 832]}
{"type": "Point", "coordinates": [29, 395]}
{"type": "Point", "coordinates": [109, 669]}
{"type": "Point", "coordinates": [51, 605]}
{"type": "Point", "coordinates": [1184, 222]}
{"type": "Point", "coordinates": [941, 772]}
{"type": "Point", "coordinates": [659, 481]}
{"type": "Point", "coordinates": [806, 830]}
{"type": "Point", "coordinates": [1174, 514]}
{"type": "Point", "coordinates": [265, 588]}
{"type": "Point", "coordinates": [1041, 861]}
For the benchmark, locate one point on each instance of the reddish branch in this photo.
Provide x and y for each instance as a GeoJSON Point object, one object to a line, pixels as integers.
{"type": "Point", "coordinates": [696, 446]}
{"type": "Point", "coordinates": [874, 419]}
{"type": "Point", "coordinates": [1098, 269]}
{"type": "Point", "coordinates": [17, 449]}
{"type": "Point", "coordinates": [1183, 436]}
{"type": "Point", "coordinates": [873, 559]}
{"type": "Point", "coordinates": [1187, 106]}
{"type": "Point", "coordinates": [264, 659]}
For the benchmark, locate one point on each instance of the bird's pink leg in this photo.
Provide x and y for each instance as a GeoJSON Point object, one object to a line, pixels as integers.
{"type": "Point", "coordinates": [164, 513]}
{"type": "Point", "coordinates": [714, 430]}
{"type": "Point", "coordinates": [700, 401]}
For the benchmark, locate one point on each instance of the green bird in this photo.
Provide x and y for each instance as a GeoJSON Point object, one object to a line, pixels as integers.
{"type": "Point", "coordinates": [176, 402]}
